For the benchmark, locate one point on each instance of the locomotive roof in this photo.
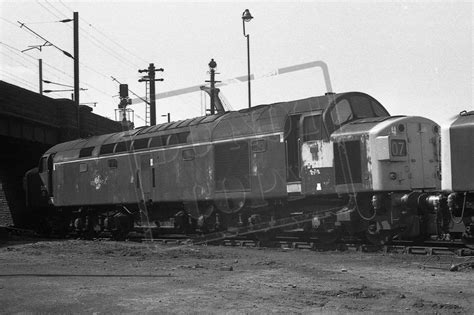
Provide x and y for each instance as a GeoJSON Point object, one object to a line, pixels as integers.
{"type": "Point", "coordinates": [464, 119]}
{"type": "Point", "coordinates": [90, 142]}
{"type": "Point", "coordinates": [261, 119]}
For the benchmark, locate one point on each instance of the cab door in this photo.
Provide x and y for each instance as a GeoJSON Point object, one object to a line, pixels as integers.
{"type": "Point", "coordinates": [317, 156]}
{"type": "Point", "coordinates": [292, 147]}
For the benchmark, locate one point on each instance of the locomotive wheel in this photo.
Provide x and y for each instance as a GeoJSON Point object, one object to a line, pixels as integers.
{"type": "Point", "coordinates": [266, 236]}
{"type": "Point", "coordinates": [89, 234]}
{"type": "Point", "coordinates": [120, 226]}
{"type": "Point", "coordinates": [468, 237]}
{"type": "Point", "coordinates": [262, 235]}
{"type": "Point", "coordinates": [329, 236]}
{"type": "Point", "coordinates": [181, 223]}
{"type": "Point", "coordinates": [379, 237]}
{"type": "Point", "coordinates": [469, 242]}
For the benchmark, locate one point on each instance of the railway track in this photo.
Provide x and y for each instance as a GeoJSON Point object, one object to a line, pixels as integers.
{"type": "Point", "coordinates": [285, 242]}
{"type": "Point", "coordinates": [282, 241]}
{"type": "Point", "coordinates": [462, 257]}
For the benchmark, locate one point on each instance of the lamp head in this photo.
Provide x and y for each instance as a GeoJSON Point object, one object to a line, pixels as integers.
{"type": "Point", "coordinates": [246, 16]}
{"type": "Point", "coordinates": [212, 64]}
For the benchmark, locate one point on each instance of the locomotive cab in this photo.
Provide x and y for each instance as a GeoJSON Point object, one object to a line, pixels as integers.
{"type": "Point", "coordinates": [387, 164]}
{"type": "Point", "coordinates": [322, 168]}
{"type": "Point", "coordinates": [45, 171]}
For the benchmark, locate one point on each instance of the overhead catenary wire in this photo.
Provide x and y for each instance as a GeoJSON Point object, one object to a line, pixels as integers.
{"type": "Point", "coordinates": [21, 61]}
{"type": "Point", "coordinates": [60, 16]}
{"type": "Point", "coordinates": [82, 64]}
{"type": "Point", "coordinates": [22, 55]}
{"type": "Point", "coordinates": [55, 8]}
{"type": "Point", "coordinates": [144, 100]}
{"type": "Point", "coordinates": [16, 60]}
{"type": "Point", "coordinates": [18, 52]}
{"type": "Point", "coordinates": [69, 75]}
{"type": "Point", "coordinates": [34, 61]}
{"type": "Point", "coordinates": [50, 12]}
{"type": "Point", "coordinates": [18, 78]}
{"type": "Point", "coordinates": [106, 36]}
{"type": "Point", "coordinates": [92, 39]}
{"type": "Point", "coordinates": [47, 41]}
{"type": "Point", "coordinates": [97, 42]}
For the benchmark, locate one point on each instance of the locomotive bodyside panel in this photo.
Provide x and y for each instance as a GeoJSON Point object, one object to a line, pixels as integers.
{"type": "Point", "coordinates": [462, 153]}
{"type": "Point", "coordinates": [317, 176]}
{"type": "Point", "coordinates": [114, 180]}
{"type": "Point", "coordinates": [389, 172]}
{"type": "Point", "coordinates": [352, 164]}
{"type": "Point", "coordinates": [167, 172]}
{"type": "Point", "coordinates": [394, 154]}
{"type": "Point", "coordinates": [422, 153]}
{"type": "Point", "coordinates": [232, 165]}
{"type": "Point", "coordinates": [95, 182]}
{"type": "Point", "coordinates": [405, 154]}
{"type": "Point", "coordinates": [317, 156]}
{"type": "Point", "coordinates": [249, 171]}
{"type": "Point", "coordinates": [144, 177]}
{"type": "Point", "coordinates": [268, 172]}
{"type": "Point", "coordinates": [71, 179]}
{"type": "Point", "coordinates": [196, 173]}
{"type": "Point", "coordinates": [388, 148]}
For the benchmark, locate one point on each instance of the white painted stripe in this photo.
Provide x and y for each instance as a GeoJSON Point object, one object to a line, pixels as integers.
{"type": "Point", "coordinates": [446, 176]}
{"type": "Point", "coordinates": [191, 145]}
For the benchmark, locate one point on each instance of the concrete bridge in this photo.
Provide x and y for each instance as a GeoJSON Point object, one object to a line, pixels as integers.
{"type": "Point", "coordinates": [30, 123]}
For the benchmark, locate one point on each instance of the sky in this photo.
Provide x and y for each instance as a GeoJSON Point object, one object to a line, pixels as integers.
{"type": "Point", "coordinates": [415, 57]}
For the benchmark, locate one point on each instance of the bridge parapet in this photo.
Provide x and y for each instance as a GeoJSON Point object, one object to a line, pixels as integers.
{"type": "Point", "coordinates": [30, 123]}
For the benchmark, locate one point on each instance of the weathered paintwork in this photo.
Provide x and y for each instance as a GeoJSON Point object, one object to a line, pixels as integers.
{"type": "Point", "coordinates": [457, 154]}
{"type": "Point", "coordinates": [182, 172]}
{"type": "Point", "coordinates": [185, 170]}
{"type": "Point", "coordinates": [318, 167]}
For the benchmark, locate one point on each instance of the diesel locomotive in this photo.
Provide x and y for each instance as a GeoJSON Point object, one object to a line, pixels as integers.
{"type": "Point", "coordinates": [339, 157]}
{"type": "Point", "coordinates": [457, 156]}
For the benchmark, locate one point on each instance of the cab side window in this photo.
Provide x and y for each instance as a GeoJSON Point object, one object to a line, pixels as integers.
{"type": "Point", "coordinates": [313, 128]}
{"type": "Point", "coordinates": [341, 113]}
{"type": "Point", "coordinates": [43, 165]}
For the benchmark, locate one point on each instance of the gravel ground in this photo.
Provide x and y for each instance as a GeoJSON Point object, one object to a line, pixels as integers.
{"type": "Point", "coordinates": [76, 276]}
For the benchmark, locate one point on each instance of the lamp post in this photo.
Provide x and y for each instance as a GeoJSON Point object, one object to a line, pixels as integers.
{"type": "Point", "coordinates": [247, 17]}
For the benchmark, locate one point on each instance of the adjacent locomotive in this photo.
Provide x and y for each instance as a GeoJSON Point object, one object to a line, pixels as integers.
{"type": "Point", "coordinates": [340, 157]}
{"type": "Point", "coordinates": [457, 156]}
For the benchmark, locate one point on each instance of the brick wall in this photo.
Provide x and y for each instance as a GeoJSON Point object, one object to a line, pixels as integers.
{"type": "Point", "coordinates": [5, 214]}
